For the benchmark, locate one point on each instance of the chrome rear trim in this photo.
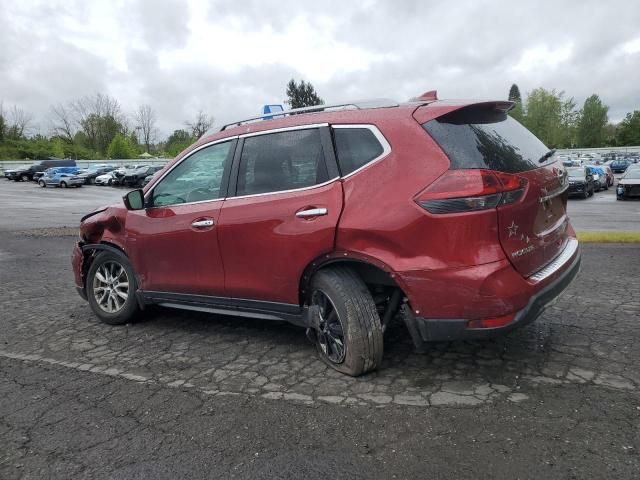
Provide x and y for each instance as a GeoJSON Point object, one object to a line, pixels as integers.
{"type": "Point", "coordinates": [557, 263]}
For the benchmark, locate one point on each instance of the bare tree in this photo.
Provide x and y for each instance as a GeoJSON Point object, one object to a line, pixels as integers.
{"type": "Point", "coordinates": [201, 124]}
{"type": "Point", "coordinates": [63, 123]}
{"type": "Point", "coordinates": [19, 122]}
{"type": "Point", "coordinates": [100, 118]}
{"type": "Point", "coordinates": [146, 121]}
{"type": "Point", "coordinates": [3, 123]}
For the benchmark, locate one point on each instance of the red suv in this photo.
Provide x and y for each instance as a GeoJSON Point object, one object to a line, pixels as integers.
{"type": "Point", "coordinates": [339, 218]}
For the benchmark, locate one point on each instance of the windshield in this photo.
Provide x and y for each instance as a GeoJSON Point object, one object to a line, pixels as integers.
{"type": "Point", "coordinates": [575, 172]}
{"type": "Point", "coordinates": [480, 137]}
{"type": "Point", "coordinates": [632, 174]}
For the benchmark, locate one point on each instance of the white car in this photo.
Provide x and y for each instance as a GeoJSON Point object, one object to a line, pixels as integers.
{"type": "Point", "coordinates": [106, 179]}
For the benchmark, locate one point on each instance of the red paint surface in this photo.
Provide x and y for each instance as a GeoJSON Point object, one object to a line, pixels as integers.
{"type": "Point", "coordinates": [449, 266]}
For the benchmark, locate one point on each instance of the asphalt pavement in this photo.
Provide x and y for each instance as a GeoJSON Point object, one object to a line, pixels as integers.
{"type": "Point", "coordinates": [188, 395]}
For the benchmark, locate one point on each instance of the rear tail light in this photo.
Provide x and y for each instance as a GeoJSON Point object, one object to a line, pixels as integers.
{"type": "Point", "coordinates": [471, 190]}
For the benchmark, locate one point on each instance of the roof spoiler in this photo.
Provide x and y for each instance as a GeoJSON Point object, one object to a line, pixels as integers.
{"type": "Point", "coordinates": [430, 96]}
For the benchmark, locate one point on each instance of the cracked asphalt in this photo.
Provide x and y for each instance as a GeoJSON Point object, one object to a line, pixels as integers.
{"type": "Point", "coordinates": [187, 395]}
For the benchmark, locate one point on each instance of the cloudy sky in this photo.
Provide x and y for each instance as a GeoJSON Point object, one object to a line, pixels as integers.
{"type": "Point", "coordinates": [229, 58]}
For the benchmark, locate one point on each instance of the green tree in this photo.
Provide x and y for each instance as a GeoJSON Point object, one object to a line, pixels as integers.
{"type": "Point", "coordinates": [178, 141]}
{"type": "Point", "coordinates": [628, 133]}
{"type": "Point", "coordinates": [568, 123]}
{"type": "Point", "coordinates": [302, 94]}
{"type": "Point", "coordinates": [592, 123]}
{"type": "Point", "coordinates": [120, 147]}
{"type": "Point", "coordinates": [543, 115]}
{"type": "Point", "coordinates": [514, 94]}
{"type": "Point", "coordinates": [57, 148]}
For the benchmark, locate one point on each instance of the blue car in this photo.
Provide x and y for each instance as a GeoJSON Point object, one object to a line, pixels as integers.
{"type": "Point", "coordinates": [599, 178]}
{"type": "Point", "coordinates": [62, 177]}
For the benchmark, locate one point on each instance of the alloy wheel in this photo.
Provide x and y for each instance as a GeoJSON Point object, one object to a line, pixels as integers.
{"type": "Point", "coordinates": [330, 332]}
{"type": "Point", "coordinates": [111, 287]}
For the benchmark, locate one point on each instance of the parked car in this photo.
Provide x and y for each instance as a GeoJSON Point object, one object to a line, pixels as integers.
{"type": "Point", "coordinates": [600, 181]}
{"type": "Point", "coordinates": [26, 174]}
{"type": "Point", "coordinates": [629, 184]}
{"type": "Point", "coordinates": [620, 166]}
{"type": "Point", "coordinates": [135, 178]}
{"type": "Point", "coordinates": [121, 172]}
{"type": "Point", "coordinates": [338, 219]}
{"type": "Point", "coordinates": [91, 173]}
{"type": "Point", "coordinates": [106, 179]}
{"type": "Point", "coordinates": [609, 174]}
{"type": "Point", "coordinates": [10, 173]}
{"type": "Point", "coordinates": [61, 177]}
{"type": "Point", "coordinates": [581, 182]}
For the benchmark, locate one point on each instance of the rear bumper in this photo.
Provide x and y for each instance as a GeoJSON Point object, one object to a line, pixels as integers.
{"type": "Point", "coordinates": [502, 297]}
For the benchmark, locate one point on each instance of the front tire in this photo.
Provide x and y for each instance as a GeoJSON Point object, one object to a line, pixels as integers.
{"type": "Point", "coordinates": [111, 287]}
{"type": "Point", "coordinates": [347, 325]}
{"type": "Point", "coordinates": [42, 184]}
{"type": "Point", "coordinates": [63, 184]}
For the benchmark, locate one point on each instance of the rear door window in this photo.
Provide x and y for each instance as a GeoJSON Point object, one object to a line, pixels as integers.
{"type": "Point", "coordinates": [355, 147]}
{"type": "Point", "coordinates": [281, 161]}
{"type": "Point", "coordinates": [486, 138]}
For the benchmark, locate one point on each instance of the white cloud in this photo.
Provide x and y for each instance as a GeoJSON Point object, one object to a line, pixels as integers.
{"type": "Point", "coordinates": [229, 57]}
{"type": "Point", "coordinates": [543, 57]}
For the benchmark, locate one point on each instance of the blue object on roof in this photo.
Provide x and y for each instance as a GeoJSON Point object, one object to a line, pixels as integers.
{"type": "Point", "coordinates": [271, 109]}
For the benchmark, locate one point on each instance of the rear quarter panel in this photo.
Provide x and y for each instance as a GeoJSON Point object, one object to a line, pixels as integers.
{"type": "Point", "coordinates": [382, 221]}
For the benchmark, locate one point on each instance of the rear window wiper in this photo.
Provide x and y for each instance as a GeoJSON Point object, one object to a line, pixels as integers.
{"type": "Point", "coordinates": [547, 155]}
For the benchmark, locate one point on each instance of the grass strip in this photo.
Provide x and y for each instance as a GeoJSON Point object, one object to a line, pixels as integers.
{"type": "Point", "coordinates": [609, 237]}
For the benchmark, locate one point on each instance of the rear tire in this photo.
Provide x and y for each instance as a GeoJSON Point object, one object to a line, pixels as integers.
{"type": "Point", "coordinates": [24, 178]}
{"type": "Point", "coordinates": [111, 277]}
{"type": "Point", "coordinates": [347, 325]}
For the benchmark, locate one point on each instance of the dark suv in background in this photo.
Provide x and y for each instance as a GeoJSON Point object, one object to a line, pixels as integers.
{"type": "Point", "coordinates": [581, 181]}
{"type": "Point", "coordinates": [338, 219]}
{"type": "Point", "coordinates": [135, 178]}
{"type": "Point", "coordinates": [26, 174]}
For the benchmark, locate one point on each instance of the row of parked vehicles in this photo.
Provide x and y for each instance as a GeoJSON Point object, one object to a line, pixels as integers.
{"type": "Point", "coordinates": [65, 173]}
{"type": "Point", "coordinates": [585, 180]}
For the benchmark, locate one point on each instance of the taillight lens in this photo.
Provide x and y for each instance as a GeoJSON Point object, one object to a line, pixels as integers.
{"type": "Point", "coordinates": [471, 190]}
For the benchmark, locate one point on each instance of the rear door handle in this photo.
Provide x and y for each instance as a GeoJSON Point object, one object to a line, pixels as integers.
{"type": "Point", "coordinates": [202, 223]}
{"type": "Point", "coordinates": [312, 212]}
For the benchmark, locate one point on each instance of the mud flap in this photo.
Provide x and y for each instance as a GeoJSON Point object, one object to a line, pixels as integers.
{"type": "Point", "coordinates": [412, 325]}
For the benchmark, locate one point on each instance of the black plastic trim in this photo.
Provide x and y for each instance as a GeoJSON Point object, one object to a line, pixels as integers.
{"type": "Point", "coordinates": [423, 330]}
{"type": "Point", "coordinates": [330, 158]}
{"type": "Point", "coordinates": [235, 168]}
{"type": "Point", "coordinates": [228, 306]}
{"type": "Point", "coordinates": [102, 246]}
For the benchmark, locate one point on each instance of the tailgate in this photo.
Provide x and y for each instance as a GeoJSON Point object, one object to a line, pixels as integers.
{"type": "Point", "coordinates": [534, 231]}
{"type": "Point", "coordinates": [533, 226]}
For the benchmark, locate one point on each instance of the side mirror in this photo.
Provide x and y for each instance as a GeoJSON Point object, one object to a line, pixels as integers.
{"type": "Point", "coordinates": [134, 200]}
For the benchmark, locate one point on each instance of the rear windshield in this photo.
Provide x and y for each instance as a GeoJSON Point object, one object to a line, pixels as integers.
{"type": "Point", "coordinates": [486, 138]}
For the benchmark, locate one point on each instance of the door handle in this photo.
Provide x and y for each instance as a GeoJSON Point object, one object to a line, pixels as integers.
{"type": "Point", "coordinates": [312, 212]}
{"type": "Point", "coordinates": [202, 223]}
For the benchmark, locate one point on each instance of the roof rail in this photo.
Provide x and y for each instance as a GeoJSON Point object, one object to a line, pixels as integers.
{"type": "Point", "coordinates": [357, 105]}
